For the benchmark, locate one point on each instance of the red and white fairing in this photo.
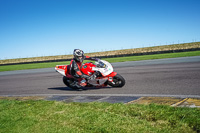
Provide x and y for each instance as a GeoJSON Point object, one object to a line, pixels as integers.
{"type": "Point", "coordinates": [104, 67]}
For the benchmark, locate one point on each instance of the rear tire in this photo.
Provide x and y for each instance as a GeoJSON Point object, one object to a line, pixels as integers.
{"type": "Point", "coordinates": [118, 81]}
{"type": "Point", "coordinates": [68, 82]}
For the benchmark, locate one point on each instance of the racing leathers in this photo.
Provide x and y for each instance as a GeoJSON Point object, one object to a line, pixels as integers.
{"type": "Point", "coordinates": [75, 71]}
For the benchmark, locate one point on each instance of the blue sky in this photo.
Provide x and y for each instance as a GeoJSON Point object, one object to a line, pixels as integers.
{"type": "Point", "coordinates": [30, 28]}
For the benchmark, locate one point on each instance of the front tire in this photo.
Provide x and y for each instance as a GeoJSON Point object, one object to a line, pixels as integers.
{"type": "Point", "coordinates": [118, 81]}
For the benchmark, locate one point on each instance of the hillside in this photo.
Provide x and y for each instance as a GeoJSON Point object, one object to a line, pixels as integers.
{"type": "Point", "coordinates": [116, 53]}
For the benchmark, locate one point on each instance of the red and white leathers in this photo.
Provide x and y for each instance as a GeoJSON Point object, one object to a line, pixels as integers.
{"type": "Point", "coordinates": [75, 69]}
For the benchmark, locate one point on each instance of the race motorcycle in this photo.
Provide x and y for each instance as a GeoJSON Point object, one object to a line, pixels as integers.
{"type": "Point", "coordinates": [106, 75]}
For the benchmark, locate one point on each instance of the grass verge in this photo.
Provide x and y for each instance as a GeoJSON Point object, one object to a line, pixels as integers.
{"type": "Point", "coordinates": [155, 56]}
{"type": "Point", "coordinates": [118, 59]}
{"type": "Point", "coordinates": [50, 116]}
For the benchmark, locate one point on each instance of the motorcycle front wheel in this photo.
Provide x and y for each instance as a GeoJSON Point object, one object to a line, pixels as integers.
{"type": "Point", "coordinates": [118, 81]}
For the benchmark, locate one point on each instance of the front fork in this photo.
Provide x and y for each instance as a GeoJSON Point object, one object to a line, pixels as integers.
{"type": "Point", "coordinates": [110, 76]}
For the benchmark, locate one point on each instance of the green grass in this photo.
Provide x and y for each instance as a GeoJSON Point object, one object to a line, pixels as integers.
{"type": "Point", "coordinates": [57, 117]}
{"type": "Point", "coordinates": [154, 56]}
{"type": "Point", "coordinates": [118, 59]}
{"type": "Point", "coordinates": [31, 66]}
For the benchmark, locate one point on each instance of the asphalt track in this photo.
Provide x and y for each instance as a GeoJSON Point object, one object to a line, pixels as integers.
{"type": "Point", "coordinates": [176, 77]}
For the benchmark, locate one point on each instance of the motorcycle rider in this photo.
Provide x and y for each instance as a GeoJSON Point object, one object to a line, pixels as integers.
{"type": "Point", "coordinates": [75, 69]}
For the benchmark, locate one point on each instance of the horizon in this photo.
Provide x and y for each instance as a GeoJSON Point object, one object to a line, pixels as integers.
{"type": "Point", "coordinates": [101, 51]}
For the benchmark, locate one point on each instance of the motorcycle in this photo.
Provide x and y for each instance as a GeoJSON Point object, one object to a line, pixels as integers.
{"type": "Point", "coordinates": [106, 75]}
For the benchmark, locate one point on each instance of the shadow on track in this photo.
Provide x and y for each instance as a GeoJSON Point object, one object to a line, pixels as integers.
{"type": "Point", "coordinates": [63, 89]}
{"type": "Point", "coordinates": [81, 89]}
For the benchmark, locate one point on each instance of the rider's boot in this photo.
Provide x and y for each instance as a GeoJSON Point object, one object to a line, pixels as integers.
{"type": "Point", "coordinates": [75, 84]}
{"type": "Point", "coordinates": [79, 83]}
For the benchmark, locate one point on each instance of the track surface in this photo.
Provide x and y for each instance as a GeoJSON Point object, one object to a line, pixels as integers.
{"type": "Point", "coordinates": [163, 77]}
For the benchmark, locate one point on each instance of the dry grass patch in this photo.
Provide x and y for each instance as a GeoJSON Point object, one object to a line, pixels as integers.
{"type": "Point", "coordinates": [109, 53]}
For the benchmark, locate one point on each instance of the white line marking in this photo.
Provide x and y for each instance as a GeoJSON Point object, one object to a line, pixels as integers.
{"type": "Point", "coordinates": [128, 95]}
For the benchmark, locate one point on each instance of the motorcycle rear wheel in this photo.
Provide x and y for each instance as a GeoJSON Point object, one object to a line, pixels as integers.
{"type": "Point", "coordinates": [68, 82]}
{"type": "Point", "coordinates": [118, 81]}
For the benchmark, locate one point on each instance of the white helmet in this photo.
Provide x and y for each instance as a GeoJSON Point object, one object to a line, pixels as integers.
{"type": "Point", "coordinates": [78, 55]}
